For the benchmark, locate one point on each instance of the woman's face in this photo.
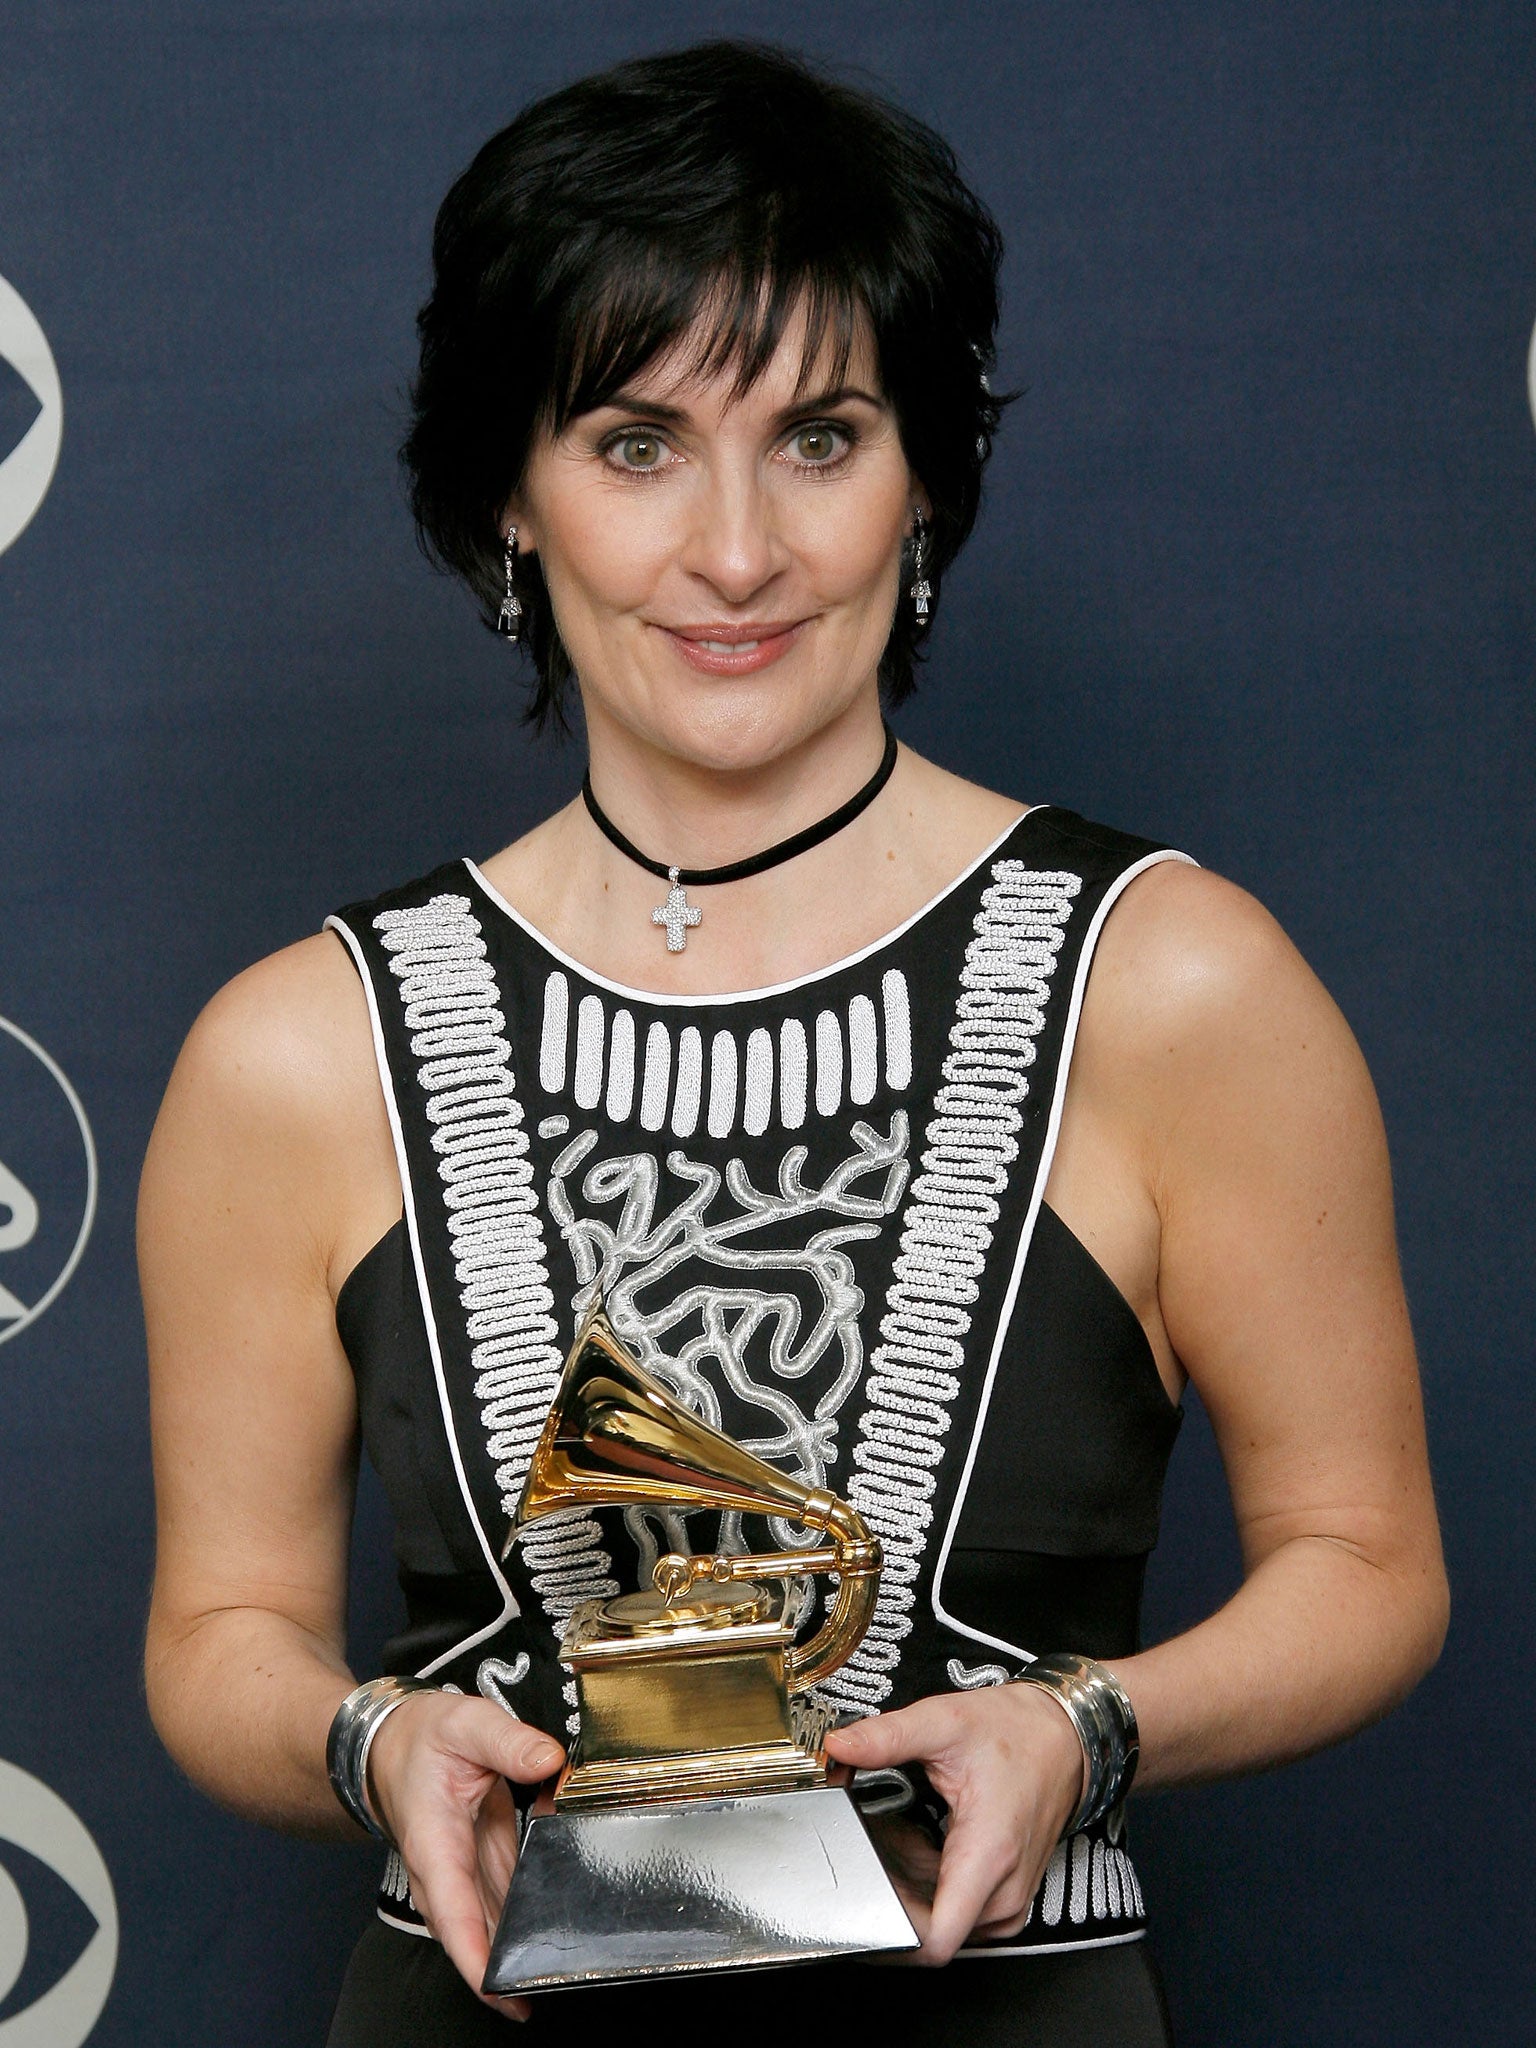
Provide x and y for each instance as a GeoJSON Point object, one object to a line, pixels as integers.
{"type": "Point", "coordinates": [723, 567]}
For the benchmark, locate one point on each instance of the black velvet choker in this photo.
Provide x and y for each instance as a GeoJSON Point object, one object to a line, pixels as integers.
{"type": "Point", "coordinates": [677, 914]}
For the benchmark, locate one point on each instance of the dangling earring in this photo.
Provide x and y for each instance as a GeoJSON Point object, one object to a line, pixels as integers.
{"type": "Point", "coordinates": [510, 623]}
{"type": "Point", "coordinates": [920, 593]}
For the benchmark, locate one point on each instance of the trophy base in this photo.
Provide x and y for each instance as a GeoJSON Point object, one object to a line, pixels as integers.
{"type": "Point", "coordinates": [707, 1884]}
{"type": "Point", "coordinates": [693, 1774]}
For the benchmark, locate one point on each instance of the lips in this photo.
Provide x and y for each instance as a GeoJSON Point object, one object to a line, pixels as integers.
{"type": "Point", "coordinates": [734, 649]}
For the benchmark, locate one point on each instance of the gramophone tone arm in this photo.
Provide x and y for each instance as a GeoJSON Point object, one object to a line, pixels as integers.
{"type": "Point", "coordinates": [853, 1554]}
{"type": "Point", "coordinates": [675, 1575]}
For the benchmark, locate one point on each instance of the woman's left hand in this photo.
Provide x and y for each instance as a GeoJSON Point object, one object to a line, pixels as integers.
{"type": "Point", "coordinates": [1009, 1765]}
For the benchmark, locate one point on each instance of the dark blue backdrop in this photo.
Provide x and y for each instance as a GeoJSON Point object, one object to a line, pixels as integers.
{"type": "Point", "coordinates": [1256, 575]}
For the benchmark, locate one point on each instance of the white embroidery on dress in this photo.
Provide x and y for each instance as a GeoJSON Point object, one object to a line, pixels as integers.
{"type": "Point", "coordinates": [588, 1081]}
{"type": "Point", "coordinates": [969, 1676]}
{"type": "Point", "coordinates": [794, 1072]}
{"type": "Point", "coordinates": [722, 1084]}
{"type": "Point", "coordinates": [496, 1677]}
{"type": "Point", "coordinates": [1053, 1893]}
{"type": "Point", "coordinates": [829, 1064]}
{"type": "Point", "coordinates": [654, 1531]}
{"type": "Point", "coordinates": [458, 1034]}
{"type": "Point", "coordinates": [658, 1077]}
{"type": "Point", "coordinates": [557, 1004]}
{"type": "Point", "coordinates": [757, 1086]}
{"type": "Point", "coordinates": [740, 1077]}
{"type": "Point", "coordinates": [952, 1208]}
{"type": "Point", "coordinates": [1114, 1894]}
{"type": "Point", "coordinates": [621, 1067]}
{"type": "Point", "coordinates": [863, 1056]}
{"type": "Point", "coordinates": [690, 1082]}
{"type": "Point", "coordinates": [898, 1029]}
{"type": "Point", "coordinates": [625, 1242]}
{"type": "Point", "coordinates": [1082, 1856]}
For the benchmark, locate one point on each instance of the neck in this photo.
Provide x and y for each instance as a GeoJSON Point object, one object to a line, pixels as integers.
{"type": "Point", "coordinates": [704, 814]}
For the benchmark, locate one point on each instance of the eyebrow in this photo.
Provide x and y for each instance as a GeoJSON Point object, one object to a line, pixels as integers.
{"type": "Point", "coordinates": [819, 401]}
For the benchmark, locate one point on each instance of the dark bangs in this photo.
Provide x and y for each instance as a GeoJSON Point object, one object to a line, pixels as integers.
{"type": "Point", "coordinates": [700, 199]}
{"type": "Point", "coordinates": [728, 322]}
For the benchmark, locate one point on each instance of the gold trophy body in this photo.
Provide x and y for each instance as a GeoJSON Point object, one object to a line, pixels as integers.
{"type": "Point", "coordinates": [697, 1752]}
{"type": "Point", "coordinates": [684, 1698]}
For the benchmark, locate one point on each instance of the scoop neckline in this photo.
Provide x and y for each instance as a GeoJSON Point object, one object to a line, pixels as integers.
{"type": "Point", "coordinates": [657, 999]}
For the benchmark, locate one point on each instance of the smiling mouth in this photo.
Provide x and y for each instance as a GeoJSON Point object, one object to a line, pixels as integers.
{"type": "Point", "coordinates": [726, 649]}
{"type": "Point", "coordinates": [735, 639]}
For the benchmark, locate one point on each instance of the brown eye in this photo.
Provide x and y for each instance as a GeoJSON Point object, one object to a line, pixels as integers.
{"type": "Point", "coordinates": [816, 444]}
{"type": "Point", "coordinates": [640, 451]}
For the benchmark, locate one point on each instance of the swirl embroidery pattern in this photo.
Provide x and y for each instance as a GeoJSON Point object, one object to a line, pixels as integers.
{"type": "Point", "coordinates": [769, 1281]}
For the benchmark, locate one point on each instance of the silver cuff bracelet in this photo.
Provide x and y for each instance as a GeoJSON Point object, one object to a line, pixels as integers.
{"type": "Point", "coordinates": [357, 1720]}
{"type": "Point", "coordinates": [1099, 1708]}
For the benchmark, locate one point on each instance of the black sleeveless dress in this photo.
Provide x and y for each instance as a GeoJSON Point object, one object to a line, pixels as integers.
{"type": "Point", "coordinates": [815, 1212]}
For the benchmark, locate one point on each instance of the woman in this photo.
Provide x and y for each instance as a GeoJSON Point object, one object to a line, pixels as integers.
{"type": "Point", "coordinates": [864, 1163]}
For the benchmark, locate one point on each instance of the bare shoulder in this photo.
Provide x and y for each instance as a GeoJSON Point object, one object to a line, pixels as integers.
{"type": "Point", "coordinates": [275, 1099]}
{"type": "Point", "coordinates": [1191, 951]}
{"type": "Point", "coordinates": [287, 1040]}
{"type": "Point", "coordinates": [1196, 987]}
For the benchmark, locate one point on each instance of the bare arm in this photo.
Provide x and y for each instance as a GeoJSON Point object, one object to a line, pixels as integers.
{"type": "Point", "coordinates": [1255, 1167]}
{"type": "Point", "coordinates": [269, 1173]}
{"type": "Point", "coordinates": [252, 1403]}
{"type": "Point", "coordinates": [1280, 1290]}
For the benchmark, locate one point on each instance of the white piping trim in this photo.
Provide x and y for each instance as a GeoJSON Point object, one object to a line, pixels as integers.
{"type": "Point", "coordinates": [1047, 1948]}
{"type": "Point", "coordinates": [510, 1607]}
{"type": "Point", "coordinates": [1053, 1131]}
{"type": "Point", "coordinates": [424, 1933]}
{"type": "Point", "coordinates": [744, 995]}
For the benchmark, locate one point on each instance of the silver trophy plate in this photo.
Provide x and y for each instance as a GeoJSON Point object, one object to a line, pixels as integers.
{"type": "Point", "coordinates": [606, 1894]}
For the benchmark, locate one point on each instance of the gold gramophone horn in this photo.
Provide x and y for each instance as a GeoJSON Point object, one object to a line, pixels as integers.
{"type": "Point", "coordinates": [616, 1437]}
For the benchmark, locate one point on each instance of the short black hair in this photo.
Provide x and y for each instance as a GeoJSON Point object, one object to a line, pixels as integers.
{"type": "Point", "coordinates": [731, 184]}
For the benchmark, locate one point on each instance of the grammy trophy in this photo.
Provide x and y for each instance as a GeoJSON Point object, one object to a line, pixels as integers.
{"type": "Point", "coordinates": [693, 1825]}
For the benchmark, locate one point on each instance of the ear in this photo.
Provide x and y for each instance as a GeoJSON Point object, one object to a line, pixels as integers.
{"type": "Point", "coordinates": [921, 502]}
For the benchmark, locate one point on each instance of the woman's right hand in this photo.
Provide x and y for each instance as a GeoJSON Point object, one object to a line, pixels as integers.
{"type": "Point", "coordinates": [437, 1781]}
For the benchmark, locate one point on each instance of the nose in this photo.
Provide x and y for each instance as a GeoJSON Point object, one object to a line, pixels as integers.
{"type": "Point", "coordinates": [733, 544]}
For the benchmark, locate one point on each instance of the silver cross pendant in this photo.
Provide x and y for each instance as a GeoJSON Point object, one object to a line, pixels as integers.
{"type": "Point", "coordinates": [677, 914]}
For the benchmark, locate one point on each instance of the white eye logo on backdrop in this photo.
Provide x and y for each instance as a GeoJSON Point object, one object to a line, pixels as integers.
{"type": "Point", "coordinates": [27, 469]}
{"type": "Point", "coordinates": [47, 1180]}
{"type": "Point", "coordinates": [62, 2012]}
